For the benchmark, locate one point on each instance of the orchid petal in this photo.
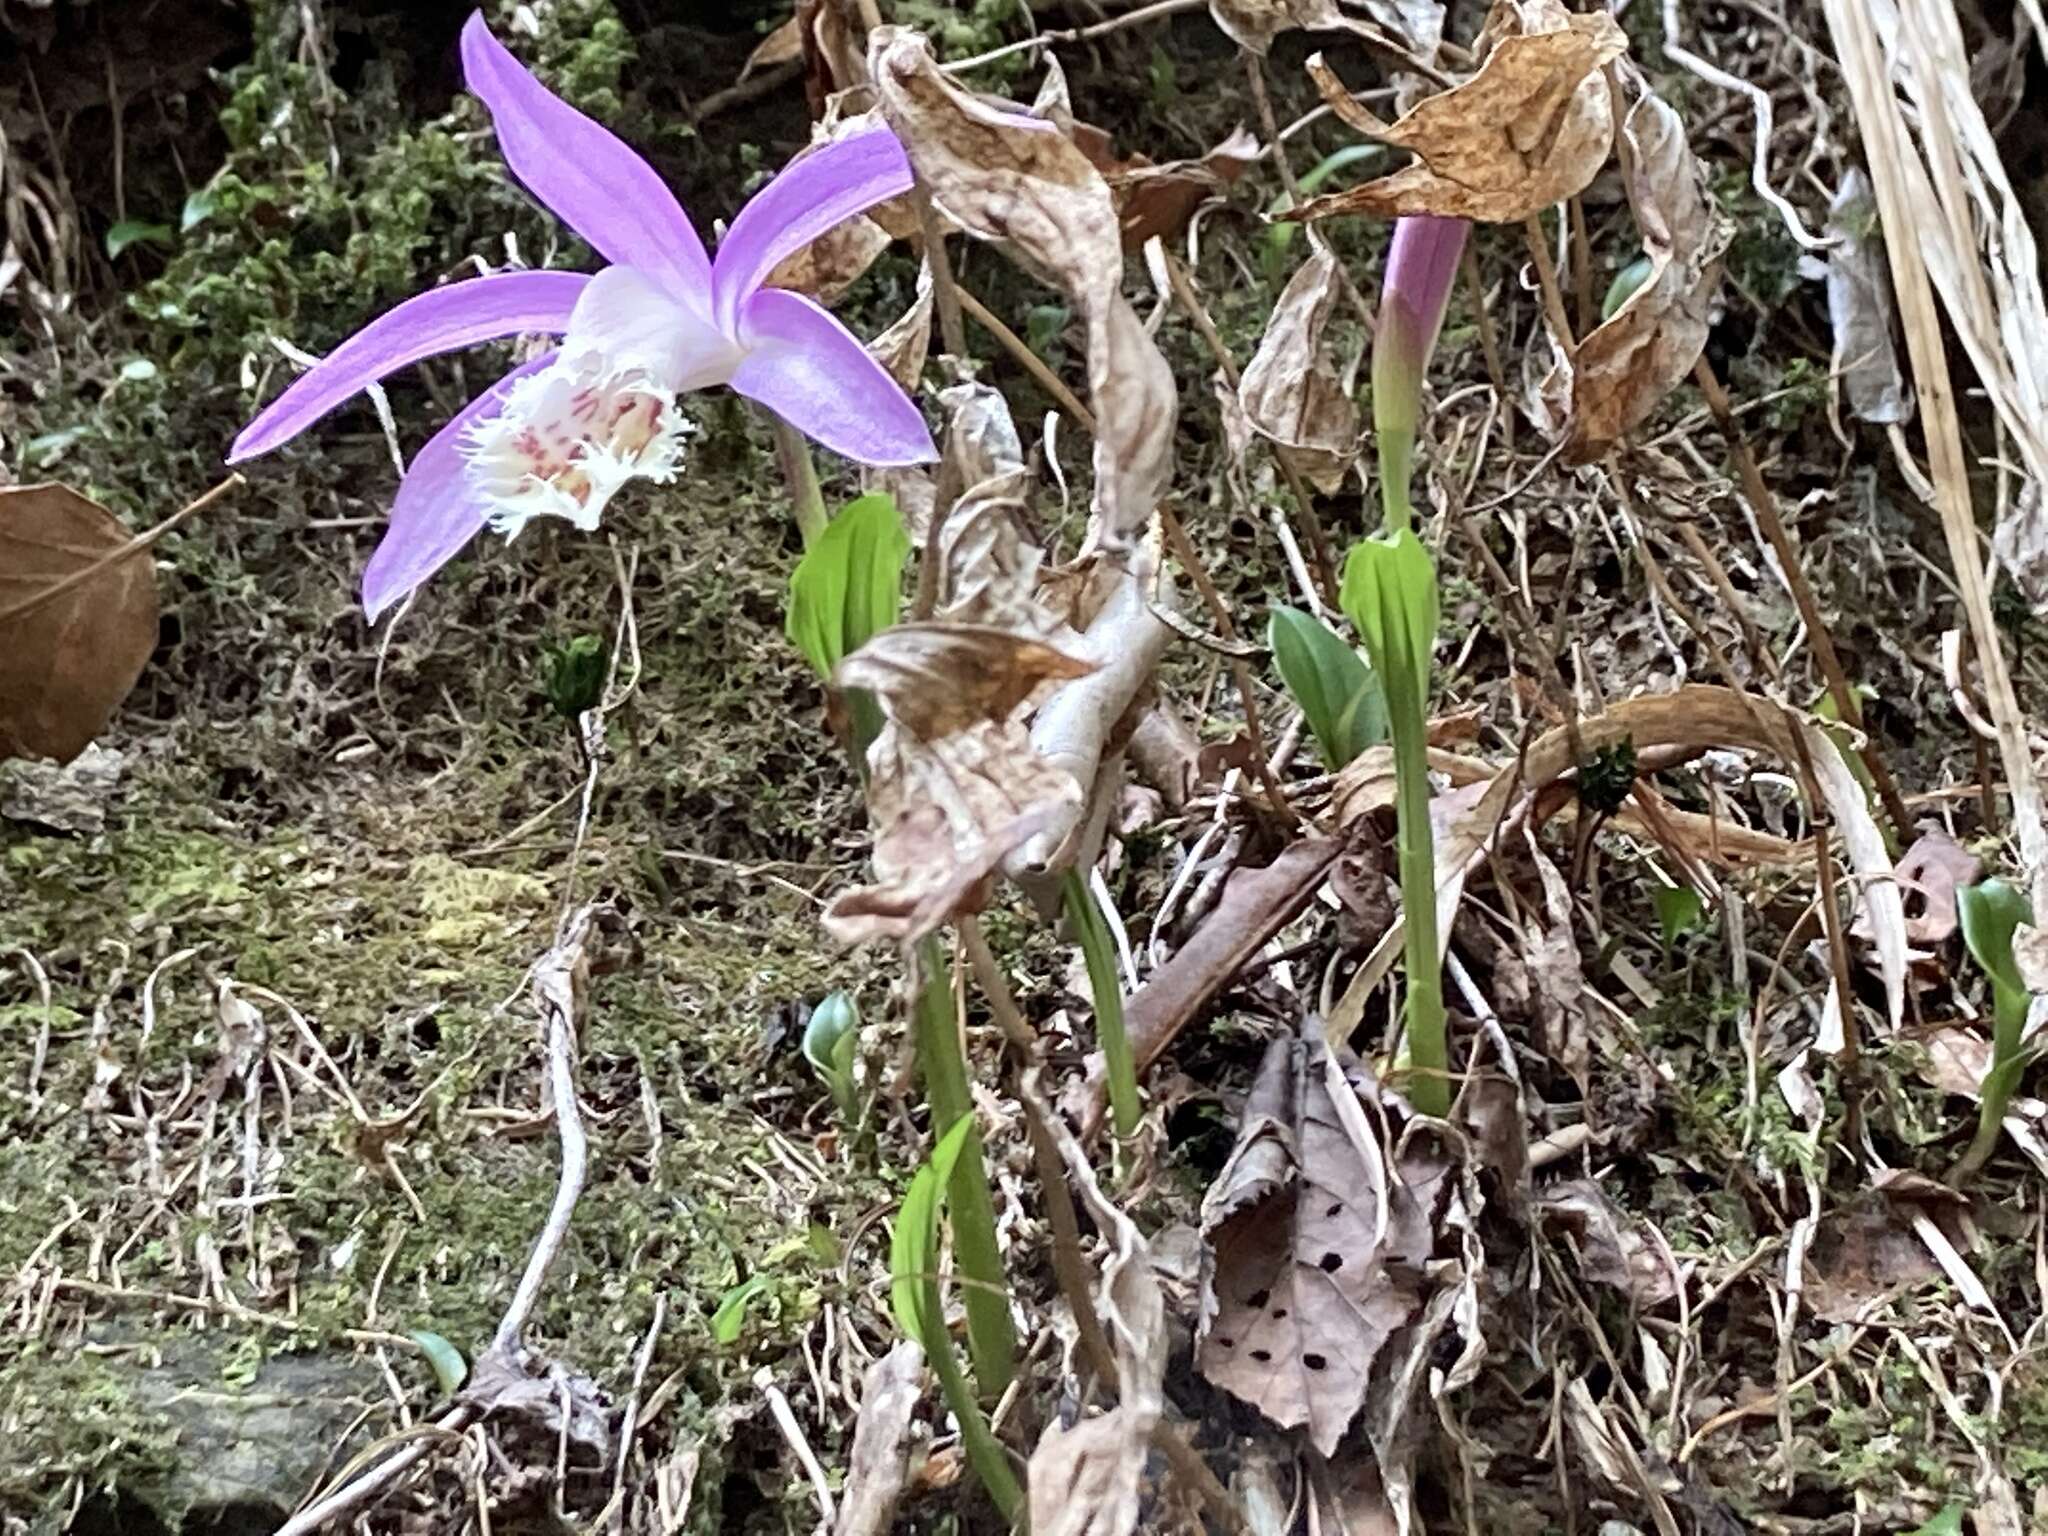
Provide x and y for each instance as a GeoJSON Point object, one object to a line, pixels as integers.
{"type": "Point", "coordinates": [809, 369]}
{"type": "Point", "coordinates": [582, 170]}
{"type": "Point", "coordinates": [821, 188]}
{"type": "Point", "coordinates": [438, 508]}
{"type": "Point", "coordinates": [443, 320]}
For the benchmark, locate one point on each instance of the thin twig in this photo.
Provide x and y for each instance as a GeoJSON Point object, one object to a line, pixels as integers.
{"type": "Point", "coordinates": [1154, 12]}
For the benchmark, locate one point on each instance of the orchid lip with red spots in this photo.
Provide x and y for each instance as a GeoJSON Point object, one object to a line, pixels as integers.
{"type": "Point", "coordinates": [560, 435]}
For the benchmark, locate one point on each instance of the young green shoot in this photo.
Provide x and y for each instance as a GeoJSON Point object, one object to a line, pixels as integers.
{"type": "Point", "coordinates": [848, 588]}
{"type": "Point", "coordinates": [991, 1337]}
{"type": "Point", "coordinates": [831, 1038]}
{"type": "Point", "coordinates": [921, 1310]}
{"type": "Point", "coordinates": [1991, 912]}
{"type": "Point", "coordinates": [1099, 950]}
{"type": "Point", "coordinates": [1390, 593]}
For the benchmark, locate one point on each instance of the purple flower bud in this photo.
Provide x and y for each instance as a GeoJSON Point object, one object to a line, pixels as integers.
{"type": "Point", "coordinates": [1422, 264]}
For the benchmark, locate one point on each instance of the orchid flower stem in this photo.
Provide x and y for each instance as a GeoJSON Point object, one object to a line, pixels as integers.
{"type": "Point", "coordinates": [1407, 720]}
{"type": "Point", "coordinates": [1098, 950]}
{"type": "Point", "coordinates": [793, 454]}
{"type": "Point", "coordinates": [991, 1338]}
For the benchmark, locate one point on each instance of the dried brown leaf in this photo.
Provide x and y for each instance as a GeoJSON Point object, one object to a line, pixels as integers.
{"type": "Point", "coordinates": [1532, 128]}
{"type": "Point", "coordinates": [1697, 715]}
{"type": "Point", "coordinates": [1290, 392]}
{"type": "Point", "coordinates": [1319, 1247]}
{"type": "Point", "coordinates": [1016, 179]}
{"type": "Point", "coordinates": [830, 264]}
{"type": "Point", "coordinates": [67, 661]}
{"type": "Point", "coordinates": [552, 1400]}
{"type": "Point", "coordinates": [1155, 201]}
{"type": "Point", "coordinates": [903, 347]}
{"type": "Point", "coordinates": [934, 679]}
{"type": "Point", "coordinates": [785, 45]}
{"type": "Point", "coordinates": [954, 784]}
{"type": "Point", "coordinates": [2020, 543]}
{"type": "Point", "coordinates": [1612, 1246]}
{"type": "Point", "coordinates": [1622, 370]}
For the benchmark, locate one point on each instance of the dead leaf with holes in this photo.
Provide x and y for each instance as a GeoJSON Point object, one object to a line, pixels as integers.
{"type": "Point", "coordinates": [78, 620]}
{"type": "Point", "coordinates": [1290, 392]}
{"type": "Point", "coordinates": [1614, 1248]}
{"type": "Point", "coordinates": [1319, 1244]}
{"type": "Point", "coordinates": [1620, 372]}
{"type": "Point", "coordinates": [904, 346]}
{"type": "Point", "coordinates": [1016, 179]}
{"type": "Point", "coordinates": [1531, 128]}
{"type": "Point", "coordinates": [1930, 873]}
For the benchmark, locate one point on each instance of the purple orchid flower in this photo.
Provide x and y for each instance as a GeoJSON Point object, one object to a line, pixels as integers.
{"type": "Point", "coordinates": [559, 435]}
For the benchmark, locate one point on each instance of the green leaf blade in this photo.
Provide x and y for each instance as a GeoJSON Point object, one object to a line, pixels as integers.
{"type": "Point", "coordinates": [1338, 693]}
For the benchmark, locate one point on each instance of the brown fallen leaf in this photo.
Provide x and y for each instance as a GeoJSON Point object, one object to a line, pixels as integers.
{"type": "Point", "coordinates": [1613, 1250]}
{"type": "Point", "coordinates": [904, 346]}
{"type": "Point", "coordinates": [830, 264]}
{"type": "Point", "coordinates": [785, 45]}
{"type": "Point", "coordinates": [78, 620]}
{"type": "Point", "coordinates": [879, 1464]}
{"type": "Point", "coordinates": [1155, 200]}
{"type": "Point", "coordinates": [1621, 371]}
{"type": "Point", "coordinates": [1694, 716]}
{"type": "Point", "coordinates": [1319, 1246]}
{"type": "Point", "coordinates": [1531, 128]}
{"type": "Point", "coordinates": [551, 1400]}
{"type": "Point", "coordinates": [935, 679]}
{"type": "Point", "coordinates": [1016, 179]}
{"type": "Point", "coordinates": [1290, 392]}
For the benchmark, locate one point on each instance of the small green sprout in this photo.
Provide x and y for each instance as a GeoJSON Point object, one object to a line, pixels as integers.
{"type": "Point", "coordinates": [830, 1040]}
{"type": "Point", "coordinates": [572, 675]}
{"type": "Point", "coordinates": [1991, 912]}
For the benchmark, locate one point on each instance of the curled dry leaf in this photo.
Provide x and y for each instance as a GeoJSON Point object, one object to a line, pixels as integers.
{"type": "Point", "coordinates": [1622, 370]}
{"type": "Point", "coordinates": [547, 1399]}
{"type": "Point", "coordinates": [829, 265]}
{"type": "Point", "coordinates": [2020, 542]}
{"type": "Point", "coordinates": [1532, 128]}
{"type": "Point", "coordinates": [1320, 1242]}
{"type": "Point", "coordinates": [785, 45]}
{"type": "Point", "coordinates": [1156, 201]}
{"type": "Point", "coordinates": [1860, 308]}
{"type": "Point", "coordinates": [78, 620]}
{"type": "Point", "coordinates": [903, 347]}
{"type": "Point", "coordinates": [1010, 177]}
{"type": "Point", "coordinates": [1290, 393]}
{"type": "Point", "coordinates": [1613, 1247]}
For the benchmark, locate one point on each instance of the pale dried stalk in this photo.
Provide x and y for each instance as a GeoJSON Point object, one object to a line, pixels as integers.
{"type": "Point", "coordinates": [1890, 153]}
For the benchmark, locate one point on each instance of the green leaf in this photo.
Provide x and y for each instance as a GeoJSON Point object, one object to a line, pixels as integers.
{"type": "Point", "coordinates": [1990, 912]}
{"type": "Point", "coordinates": [131, 231]}
{"type": "Point", "coordinates": [198, 209]}
{"type": "Point", "coordinates": [1679, 911]}
{"type": "Point", "coordinates": [1948, 1523]}
{"type": "Point", "coordinates": [1623, 288]}
{"type": "Point", "coordinates": [914, 1246]}
{"type": "Point", "coordinates": [1389, 594]}
{"type": "Point", "coordinates": [731, 1315]}
{"type": "Point", "coordinates": [834, 1020]}
{"type": "Point", "coordinates": [848, 587]}
{"type": "Point", "coordinates": [572, 675]}
{"type": "Point", "coordinates": [450, 1369]}
{"type": "Point", "coordinates": [1336, 690]}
